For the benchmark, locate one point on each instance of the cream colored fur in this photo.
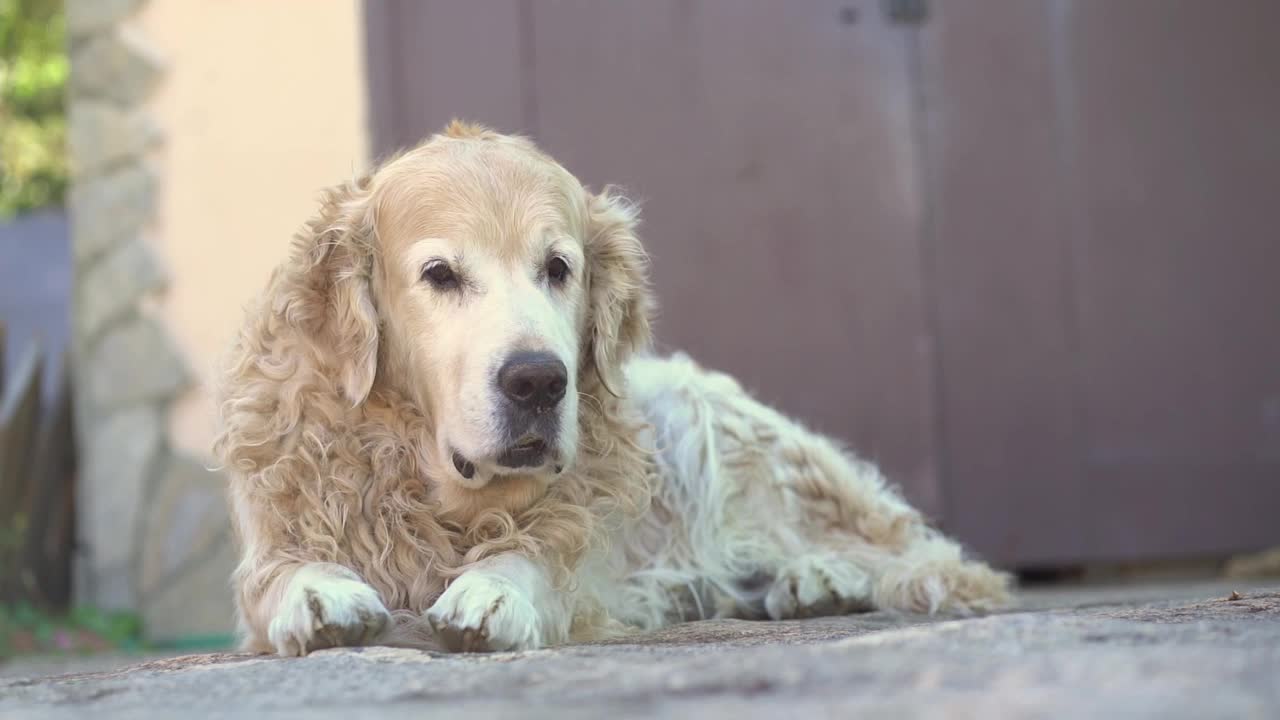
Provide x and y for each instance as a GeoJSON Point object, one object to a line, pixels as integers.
{"type": "Point", "coordinates": [678, 496]}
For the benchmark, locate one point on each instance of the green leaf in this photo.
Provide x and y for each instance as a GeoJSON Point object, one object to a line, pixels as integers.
{"type": "Point", "coordinates": [123, 627]}
{"type": "Point", "coordinates": [24, 615]}
{"type": "Point", "coordinates": [33, 75]}
{"type": "Point", "coordinates": [44, 631]}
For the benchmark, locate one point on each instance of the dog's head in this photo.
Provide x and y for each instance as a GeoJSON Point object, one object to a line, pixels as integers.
{"type": "Point", "coordinates": [479, 278]}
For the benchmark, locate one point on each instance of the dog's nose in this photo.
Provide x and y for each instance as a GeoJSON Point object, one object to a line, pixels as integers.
{"type": "Point", "coordinates": [533, 381]}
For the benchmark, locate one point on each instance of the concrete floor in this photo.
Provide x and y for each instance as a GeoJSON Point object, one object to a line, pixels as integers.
{"type": "Point", "coordinates": [1167, 651]}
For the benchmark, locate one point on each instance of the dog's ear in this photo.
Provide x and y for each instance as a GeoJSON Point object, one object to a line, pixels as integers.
{"type": "Point", "coordinates": [619, 300]}
{"type": "Point", "coordinates": [329, 298]}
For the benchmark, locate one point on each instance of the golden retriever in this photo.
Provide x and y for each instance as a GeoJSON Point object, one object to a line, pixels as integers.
{"type": "Point", "coordinates": [443, 428]}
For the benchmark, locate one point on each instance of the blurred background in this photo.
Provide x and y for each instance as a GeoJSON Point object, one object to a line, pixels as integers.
{"type": "Point", "coordinates": [1022, 253]}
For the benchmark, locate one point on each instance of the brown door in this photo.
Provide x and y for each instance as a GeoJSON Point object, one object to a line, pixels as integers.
{"type": "Point", "coordinates": [772, 144]}
{"type": "Point", "coordinates": [1021, 252]}
{"type": "Point", "coordinates": [1105, 176]}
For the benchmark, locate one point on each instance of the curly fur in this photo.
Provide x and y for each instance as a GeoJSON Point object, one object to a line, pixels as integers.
{"type": "Point", "coordinates": [686, 498]}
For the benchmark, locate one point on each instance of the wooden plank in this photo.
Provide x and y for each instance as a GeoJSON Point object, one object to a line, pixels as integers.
{"type": "Point", "coordinates": [383, 75]}
{"type": "Point", "coordinates": [1179, 161]}
{"type": "Point", "coordinates": [19, 422]}
{"type": "Point", "coordinates": [1105, 265]}
{"type": "Point", "coordinates": [50, 531]}
{"type": "Point", "coordinates": [1002, 282]}
{"type": "Point", "coordinates": [4, 330]}
{"type": "Point", "coordinates": [773, 146]}
{"type": "Point", "coordinates": [431, 61]}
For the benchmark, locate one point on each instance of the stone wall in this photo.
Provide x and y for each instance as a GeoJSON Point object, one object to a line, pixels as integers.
{"type": "Point", "coordinates": [152, 521]}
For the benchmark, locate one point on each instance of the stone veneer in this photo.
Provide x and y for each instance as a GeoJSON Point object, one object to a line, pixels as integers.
{"type": "Point", "coordinates": [152, 522]}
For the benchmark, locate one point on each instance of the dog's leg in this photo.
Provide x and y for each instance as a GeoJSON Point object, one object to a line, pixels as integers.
{"type": "Point", "coordinates": [857, 526]}
{"type": "Point", "coordinates": [289, 606]}
{"type": "Point", "coordinates": [322, 605]}
{"type": "Point", "coordinates": [504, 602]}
{"type": "Point", "coordinates": [767, 497]}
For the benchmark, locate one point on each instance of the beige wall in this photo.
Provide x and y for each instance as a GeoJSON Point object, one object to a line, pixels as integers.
{"type": "Point", "coordinates": [262, 105]}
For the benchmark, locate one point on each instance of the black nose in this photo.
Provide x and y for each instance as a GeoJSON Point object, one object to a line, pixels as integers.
{"type": "Point", "coordinates": [533, 381]}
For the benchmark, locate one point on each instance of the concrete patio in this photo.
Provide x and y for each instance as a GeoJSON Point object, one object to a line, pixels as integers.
{"type": "Point", "coordinates": [1169, 651]}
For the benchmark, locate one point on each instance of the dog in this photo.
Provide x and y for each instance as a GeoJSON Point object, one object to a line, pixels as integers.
{"type": "Point", "coordinates": [444, 427]}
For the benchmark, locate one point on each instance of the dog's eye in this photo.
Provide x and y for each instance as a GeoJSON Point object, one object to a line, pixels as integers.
{"type": "Point", "coordinates": [439, 274]}
{"type": "Point", "coordinates": [557, 270]}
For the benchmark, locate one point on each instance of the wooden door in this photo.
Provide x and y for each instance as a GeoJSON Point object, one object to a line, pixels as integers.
{"type": "Point", "coordinates": [1024, 247]}
{"type": "Point", "coordinates": [1108, 274]}
{"type": "Point", "coordinates": [773, 147]}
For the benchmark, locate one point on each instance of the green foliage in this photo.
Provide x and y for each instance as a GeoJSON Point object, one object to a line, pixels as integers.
{"type": "Point", "coordinates": [33, 128]}
{"type": "Point", "coordinates": [13, 533]}
{"type": "Point", "coordinates": [25, 629]}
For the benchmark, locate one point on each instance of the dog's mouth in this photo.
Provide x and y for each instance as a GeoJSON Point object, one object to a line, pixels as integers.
{"type": "Point", "coordinates": [465, 467]}
{"type": "Point", "coordinates": [530, 452]}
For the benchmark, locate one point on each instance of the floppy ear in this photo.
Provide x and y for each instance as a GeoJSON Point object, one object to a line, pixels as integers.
{"type": "Point", "coordinates": [330, 299]}
{"type": "Point", "coordinates": [619, 301]}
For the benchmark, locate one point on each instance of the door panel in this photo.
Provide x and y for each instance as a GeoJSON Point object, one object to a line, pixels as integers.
{"type": "Point", "coordinates": [430, 62]}
{"type": "Point", "coordinates": [1108, 306]}
{"type": "Point", "coordinates": [1002, 278]}
{"type": "Point", "coordinates": [773, 148]}
{"type": "Point", "coordinates": [1024, 248]}
{"type": "Point", "coordinates": [1179, 303]}
{"type": "Point", "coordinates": [772, 145]}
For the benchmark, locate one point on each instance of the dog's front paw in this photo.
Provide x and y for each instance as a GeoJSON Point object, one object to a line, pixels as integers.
{"type": "Point", "coordinates": [320, 610]}
{"type": "Point", "coordinates": [483, 612]}
{"type": "Point", "coordinates": [818, 586]}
